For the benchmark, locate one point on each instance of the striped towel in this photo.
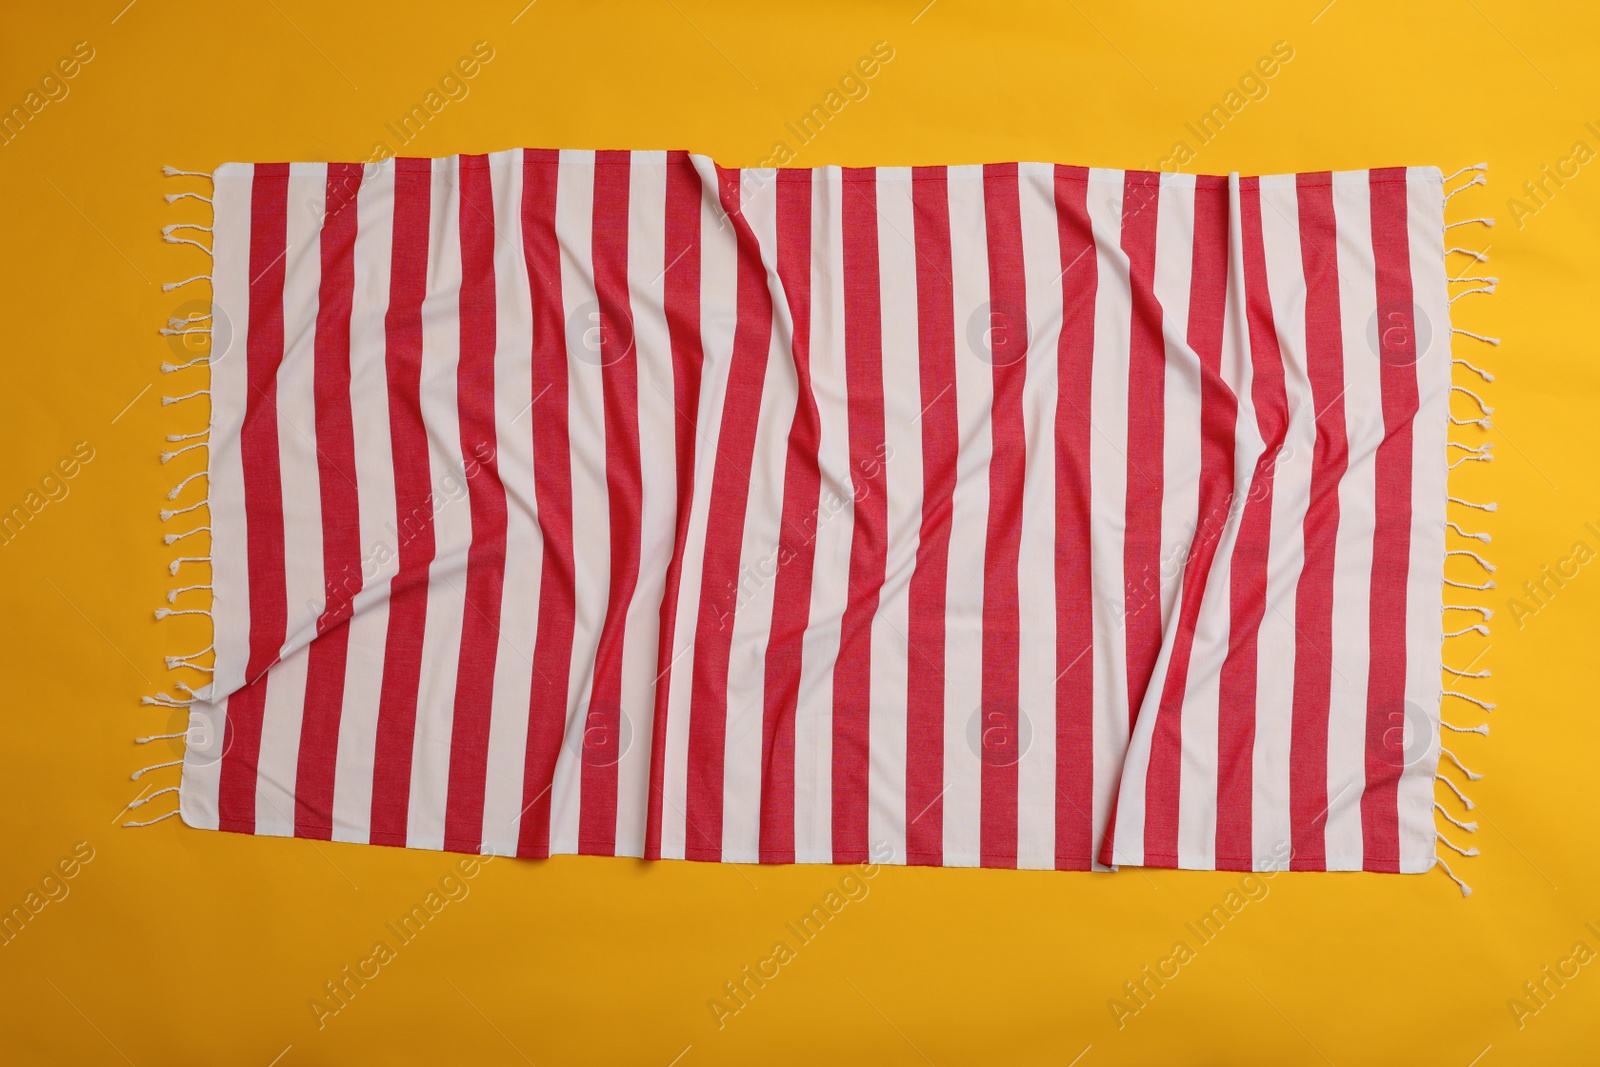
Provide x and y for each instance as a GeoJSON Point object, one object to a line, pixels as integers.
{"type": "Point", "coordinates": [1015, 515]}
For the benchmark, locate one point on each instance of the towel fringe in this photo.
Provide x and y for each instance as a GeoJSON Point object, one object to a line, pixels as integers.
{"type": "Point", "coordinates": [1472, 776]}
{"type": "Point", "coordinates": [1464, 674]}
{"type": "Point", "coordinates": [1452, 176]}
{"type": "Point", "coordinates": [152, 822]}
{"type": "Point", "coordinates": [1477, 179]}
{"type": "Point", "coordinates": [142, 801]}
{"type": "Point", "coordinates": [175, 538]}
{"type": "Point", "coordinates": [1469, 827]}
{"type": "Point", "coordinates": [171, 240]}
{"type": "Point", "coordinates": [155, 767]}
{"type": "Point", "coordinates": [167, 287]}
{"type": "Point", "coordinates": [168, 368]}
{"type": "Point", "coordinates": [1485, 538]}
{"type": "Point", "coordinates": [167, 457]}
{"type": "Point", "coordinates": [1466, 801]}
{"type": "Point", "coordinates": [1485, 564]}
{"type": "Point", "coordinates": [167, 514]}
{"type": "Point", "coordinates": [1466, 890]}
{"type": "Point", "coordinates": [1471, 285]}
{"type": "Point", "coordinates": [172, 494]}
{"type": "Point", "coordinates": [198, 330]}
{"type": "Point", "coordinates": [1485, 705]}
{"type": "Point", "coordinates": [1476, 628]}
{"type": "Point", "coordinates": [1487, 410]}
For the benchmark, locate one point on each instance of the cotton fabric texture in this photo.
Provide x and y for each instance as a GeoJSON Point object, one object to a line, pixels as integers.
{"type": "Point", "coordinates": [1015, 515]}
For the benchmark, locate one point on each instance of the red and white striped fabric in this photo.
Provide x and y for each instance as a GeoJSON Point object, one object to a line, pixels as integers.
{"type": "Point", "coordinates": [1015, 515]}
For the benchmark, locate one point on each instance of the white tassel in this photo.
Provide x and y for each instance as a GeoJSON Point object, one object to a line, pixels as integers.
{"type": "Point", "coordinates": [152, 822]}
{"type": "Point", "coordinates": [1485, 564]}
{"type": "Point", "coordinates": [1462, 767]}
{"type": "Point", "coordinates": [1466, 170]}
{"type": "Point", "coordinates": [155, 767]}
{"type": "Point", "coordinates": [1469, 827]}
{"type": "Point", "coordinates": [169, 286]}
{"type": "Point", "coordinates": [1466, 890]}
{"type": "Point", "coordinates": [175, 538]}
{"type": "Point", "coordinates": [167, 514]}
{"type": "Point", "coordinates": [1465, 802]}
{"type": "Point", "coordinates": [1471, 699]}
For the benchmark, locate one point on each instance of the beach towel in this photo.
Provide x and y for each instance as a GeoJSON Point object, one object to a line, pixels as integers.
{"type": "Point", "coordinates": [1004, 515]}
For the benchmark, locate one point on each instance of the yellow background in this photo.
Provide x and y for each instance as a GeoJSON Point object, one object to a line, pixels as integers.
{"type": "Point", "coordinates": [182, 947]}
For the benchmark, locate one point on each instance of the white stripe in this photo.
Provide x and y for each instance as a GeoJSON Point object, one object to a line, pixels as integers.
{"type": "Point", "coordinates": [1429, 464]}
{"type": "Point", "coordinates": [835, 523]}
{"type": "Point", "coordinates": [969, 521]}
{"type": "Point", "coordinates": [1036, 557]}
{"type": "Point", "coordinates": [1108, 478]}
{"type": "Point", "coordinates": [758, 553]}
{"type": "Point", "coordinates": [647, 255]}
{"type": "Point", "coordinates": [515, 414]}
{"type": "Point", "coordinates": [230, 612]}
{"type": "Point", "coordinates": [591, 542]}
{"type": "Point", "coordinates": [892, 658]}
{"type": "Point", "coordinates": [281, 717]}
{"type": "Point", "coordinates": [452, 516]}
{"type": "Point", "coordinates": [1277, 645]}
{"type": "Point", "coordinates": [1352, 623]}
{"type": "Point", "coordinates": [375, 503]}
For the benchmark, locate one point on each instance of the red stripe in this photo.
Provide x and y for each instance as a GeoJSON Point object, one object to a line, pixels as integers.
{"type": "Point", "coordinates": [1219, 410]}
{"type": "Point", "coordinates": [408, 599]}
{"type": "Point", "coordinates": [341, 519]}
{"type": "Point", "coordinates": [552, 484]}
{"type": "Point", "coordinates": [936, 341]}
{"type": "Point", "coordinates": [1313, 667]}
{"type": "Point", "coordinates": [730, 490]}
{"type": "Point", "coordinates": [802, 488]}
{"type": "Point", "coordinates": [1007, 342]}
{"type": "Point", "coordinates": [1391, 540]}
{"type": "Point", "coordinates": [1147, 376]}
{"type": "Point", "coordinates": [597, 825]}
{"type": "Point", "coordinates": [681, 305]}
{"type": "Point", "coordinates": [486, 500]}
{"type": "Point", "coordinates": [869, 538]}
{"type": "Point", "coordinates": [1074, 586]}
{"type": "Point", "coordinates": [263, 495]}
{"type": "Point", "coordinates": [1236, 712]}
